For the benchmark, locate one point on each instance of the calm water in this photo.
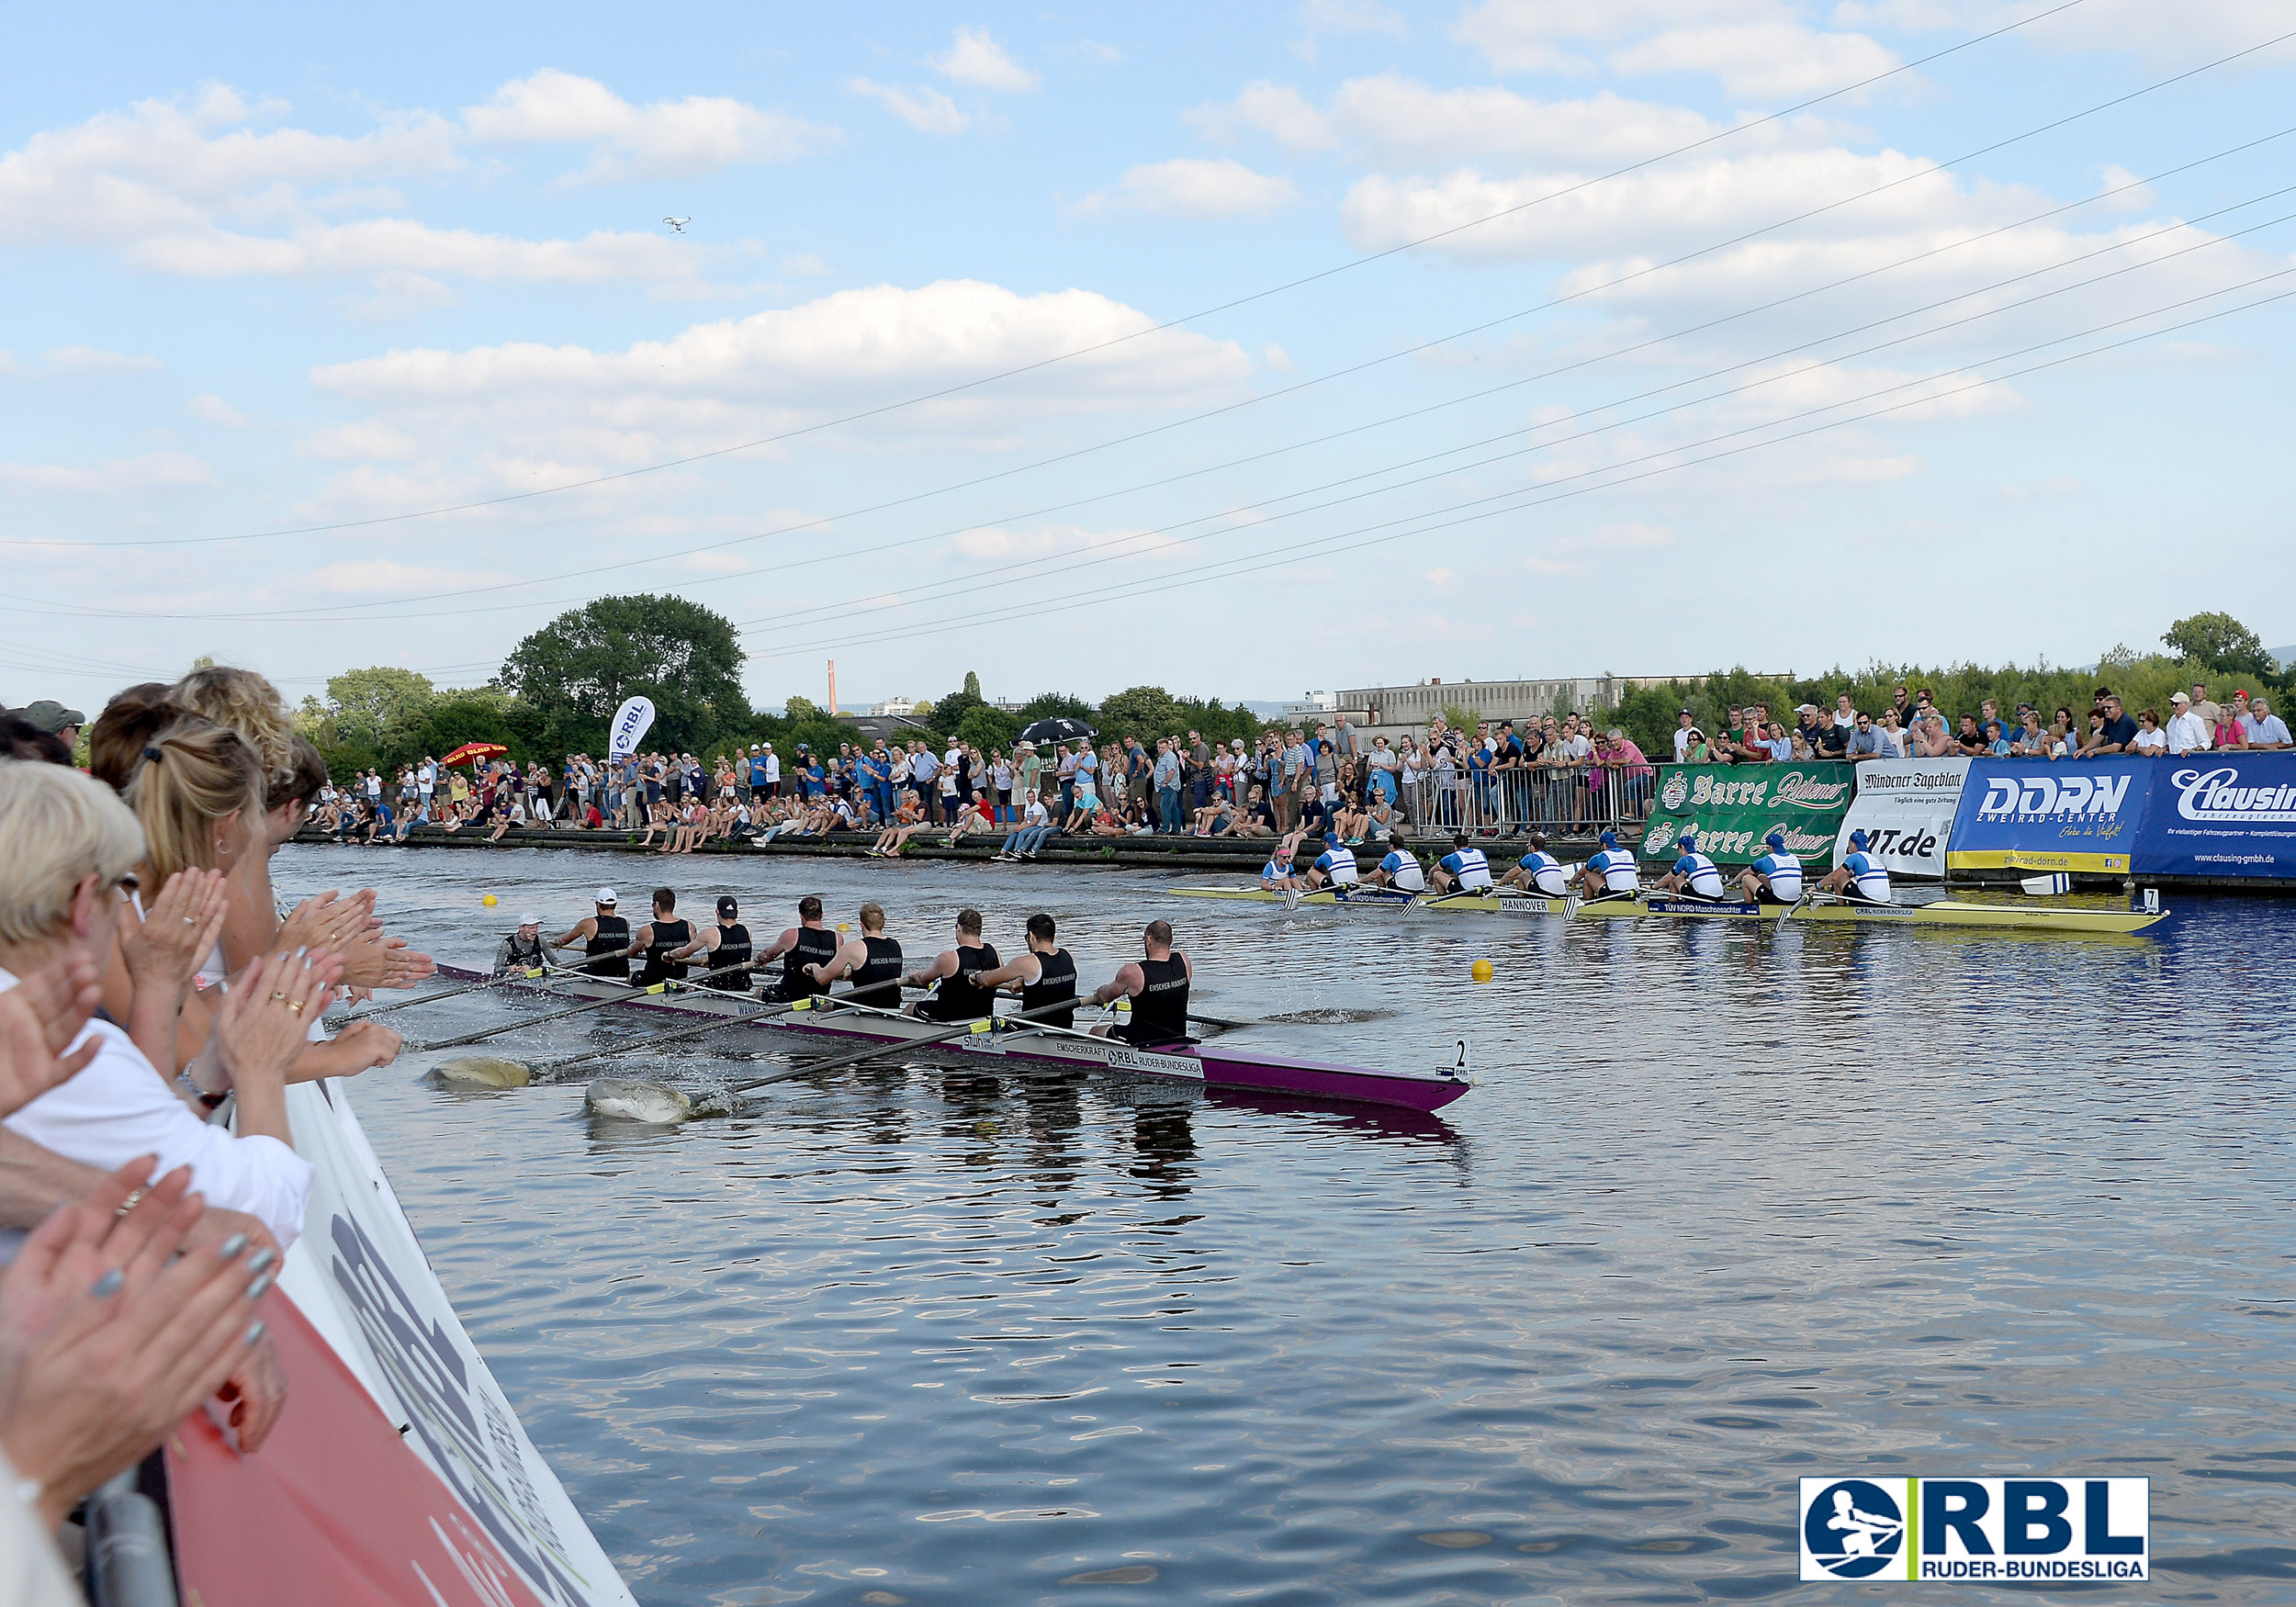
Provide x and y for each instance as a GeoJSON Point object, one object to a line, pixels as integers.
{"type": "Point", "coordinates": [1729, 1208]}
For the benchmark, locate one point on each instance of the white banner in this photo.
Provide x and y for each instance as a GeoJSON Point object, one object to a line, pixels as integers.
{"type": "Point", "coordinates": [359, 1276]}
{"type": "Point", "coordinates": [1905, 807]}
{"type": "Point", "coordinates": [630, 723]}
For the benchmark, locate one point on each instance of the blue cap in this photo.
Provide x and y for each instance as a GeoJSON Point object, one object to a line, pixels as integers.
{"type": "Point", "coordinates": [1776, 840]}
{"type": "Point", "coordinates": [1689, 839]}
{"type": "Point", "coordinates": [1858, 839]}
{"type": "Point", "coordinates": [1610, 839]}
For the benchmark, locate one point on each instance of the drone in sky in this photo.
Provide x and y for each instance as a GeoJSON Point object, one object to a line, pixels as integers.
{"type": "Point", "coordinates": [677, 225]}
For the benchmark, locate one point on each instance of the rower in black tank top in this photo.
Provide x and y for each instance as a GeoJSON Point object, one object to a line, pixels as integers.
{"type": "Point", "coordinates": [1055, 984]}
{"type": "Point", "coordinates": [733, 949]}
{"type": "Point", "coordinates": [958, 998]}
{"type": "Point", "coordinates": [667, 935]}
{"type": "Point", "coordinates": [814, 947]}
{"type": "Point", "coordinates": [613, 936]}
{"type": "Point", "coordinates": [877, 979]}
{"type": "Point", "coordinates": [1160, 1009]}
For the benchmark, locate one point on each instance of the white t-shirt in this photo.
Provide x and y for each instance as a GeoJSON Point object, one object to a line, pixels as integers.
{"type": "Point", "coordinates": [1034, 813]}
{"type": "Point", "coordinates": [2187, 733]}
{"type": "Point", "coordinates": [1681, 746]}
{"type": "Point", "coordinates": [117, 1108]}
{"type": "Point", "coordinates": [772, 770]}
{"type": "Point", "coordinates": [2153, 741]}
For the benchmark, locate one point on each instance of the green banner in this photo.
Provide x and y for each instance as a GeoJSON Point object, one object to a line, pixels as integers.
{"type": "Point", "coordinates": [1733, 806]}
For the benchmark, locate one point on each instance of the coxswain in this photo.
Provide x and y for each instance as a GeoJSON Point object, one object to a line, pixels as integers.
{"type": "Point", "coordinates": [605, 937]}
{"type": "Point", "coordinates": [1777, 876]}
{"type": "Point", "coordinates": [802, 949]}
{"type": "Point", "coordinates": [1611, 873]}
{"type": "Point", "coordinates": [722, 948]}
{"type": "Point", "coordinates": [659, 940]}
{"type": "Point", "coordinates": [1694, 874]}
{"type": "Point", "coordinates": [1539, 871]}
{"type": "Point", "coordinates": [1157, 986]}
{"type": "Point", "coordinates": [1860, 877]}
{"type": "Point", "coordinates": [871, 961]}
{"type": "Point", "coordinates": [958, 996]}
{"type": "Point", "coordinates": [1463, 869]}
{"type": "Point", "coordinates": [1045, 973]}
{"type": "Point", "coordinates": [1334, 867]}
{"type": "Point", "coordinates": [1401, 869]}
{"type": "Point", "coordinates": [1276, 875]}
{"type": "Point", "coordinates": [522, 951]}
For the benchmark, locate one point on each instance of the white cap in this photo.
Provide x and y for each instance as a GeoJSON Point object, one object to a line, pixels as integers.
{"type": "Point", "coordinates": [2179, 698]}
{"type": "Point", "coordinates": [605, 896]}
{"type": "Point", "coordinates": [530, 920]}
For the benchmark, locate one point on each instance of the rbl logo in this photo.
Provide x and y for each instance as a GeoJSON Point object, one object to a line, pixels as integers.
{"type": "Point", "coordinates": [1968, 1529]}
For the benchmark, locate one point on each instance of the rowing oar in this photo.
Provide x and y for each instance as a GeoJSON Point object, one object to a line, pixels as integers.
{"type": "Point", "coordinates": [1791, 910]}
{"type": "Point", "coordinates": [474, 987]}
{"type": "Point", "coordinates": [659, 987]}
{"type": "Point", "coordinates": [660, 1103]}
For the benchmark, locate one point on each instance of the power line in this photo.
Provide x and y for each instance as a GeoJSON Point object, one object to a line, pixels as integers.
{"type": "Point", "coordinates": [1326, 545]}
{"type": "Point", "coordinates": [1348, 266]}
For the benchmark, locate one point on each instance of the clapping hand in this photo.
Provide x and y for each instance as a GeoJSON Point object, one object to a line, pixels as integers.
{"type": "Point", "coordinates": [164, 949]}
{"type": "Point", "coordinates": [39, 1018]}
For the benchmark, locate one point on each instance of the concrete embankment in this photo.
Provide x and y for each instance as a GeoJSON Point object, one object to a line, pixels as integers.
{"type": "Point", "coordinates": [1236, 855]}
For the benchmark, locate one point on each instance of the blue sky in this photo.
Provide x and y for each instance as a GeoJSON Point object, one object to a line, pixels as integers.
{"type": "Point", "coordinates": [302, 269]}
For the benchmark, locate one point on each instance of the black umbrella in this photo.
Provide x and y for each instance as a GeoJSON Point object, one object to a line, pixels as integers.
{"type": "Point", "coordinates": [1061, 730]}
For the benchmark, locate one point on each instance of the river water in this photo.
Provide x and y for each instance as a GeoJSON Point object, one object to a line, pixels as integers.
{"type": "Point", "coordinates": [1729, 1208]}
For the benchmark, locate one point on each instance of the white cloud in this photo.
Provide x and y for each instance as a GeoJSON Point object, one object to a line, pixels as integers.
{"type": "Point", "coordinates": [516, 415]}
{"type": "Point", "coordinates": [1317, 17]}
{"type": "Point", "coordinates": [383, 246]}
{"type": "Point", "coordinates": [697, 134]}
{"type": "Point", "coordinates": [1757, 48]}
{"type": "Point", "coordinates": [1393, 120]}
{"type": "Point", "coordinates": [374, 577]}
{"type": "Point", "coordinates": [216, 410]}
{"type": "Point", "coordinates": [153, 471]}
{"type": "Point", "coordinates": [927, 110]}
{"type": "Point", "coordinates": [90, 360]}
{"type": "Point", "coordinates": [164, 166]}
{"type": "Point", "coordinates": [1190, 187]}
{"type": "Point", "coordinates": [977, 61]}
{"type": "Point", "coordinates": [1771, 60]}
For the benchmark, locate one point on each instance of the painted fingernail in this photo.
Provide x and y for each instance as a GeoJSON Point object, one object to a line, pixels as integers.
{"type": "Point", "coordinates": [229, 1250]}
{"type": "Point", "coordinates": [108, 1285]}
{"type": "Point", "coordinates": [260, 1288]}
{"type": "Point", "coordinates": [256, 1331]}
{"type": "Point", "coordinates": [262, 1259]}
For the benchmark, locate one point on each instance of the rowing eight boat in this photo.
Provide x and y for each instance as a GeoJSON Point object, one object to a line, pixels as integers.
{"type": "Point", "coordinates": [1211, 1064]}
{"type": "Point", "coordinates": [1944, 912]}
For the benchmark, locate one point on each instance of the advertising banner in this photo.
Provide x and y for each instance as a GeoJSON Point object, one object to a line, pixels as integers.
{"type": "Point", "coordinates": [2031, 814]}
{"type": "Point", "coordinates": [2220, 815]}
{"type": "Point", "coordinates": [632, 721]}
{"type": "Point", "coordinates": [1906, 808]}
{"type": "Point", "coordinates": [1733, 806]}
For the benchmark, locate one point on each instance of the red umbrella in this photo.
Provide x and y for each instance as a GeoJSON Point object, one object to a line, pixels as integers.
{"type": "Point", "coordinates": [470, 751]}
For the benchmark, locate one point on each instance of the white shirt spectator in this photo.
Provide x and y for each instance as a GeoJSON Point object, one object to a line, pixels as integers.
{"type": "Point", "coordinates": [2264, 729]}
{"type": "Point", "coordinates": [119, 1108]}
{"type": "Point", "coordinates": [772, 770]}
{"type": "Point", "coordinates": [1682, 746]}
{"type": "Point", "coordinates": [2152, 742]}
{"type": "Point", "coordinates": [2187, 733]}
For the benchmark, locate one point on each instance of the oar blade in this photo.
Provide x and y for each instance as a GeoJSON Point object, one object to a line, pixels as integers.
{"type": "Point", "coordinates": [482, 1071]}
{"type": "Point", "coordinates": [632, 1099]}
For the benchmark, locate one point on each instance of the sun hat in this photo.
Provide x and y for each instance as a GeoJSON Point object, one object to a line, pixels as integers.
{"type": "Point", "coordinates": [605, 896]}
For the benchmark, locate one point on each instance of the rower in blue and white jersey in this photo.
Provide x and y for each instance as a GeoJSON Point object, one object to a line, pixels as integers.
{"type": "Point", "coordinates": [1276, 876]}
{"type": "Point", "coordinates": [1400, 870]}
{"type": "Point", "coordinates": [1777, 876]}
{"type": "Point", "coordinates": [1611, 873]}
{"type": "Point", "coordinates": [1334, 867]}
{"type": "Point", "coordinates": [1539, 871]}
{"type": "Point", "coordinates": [1694, 872]}
{"type": "Point", "coordinates": [1463, 869]}
{"type": "Point", "coordinates": [1861, 875]}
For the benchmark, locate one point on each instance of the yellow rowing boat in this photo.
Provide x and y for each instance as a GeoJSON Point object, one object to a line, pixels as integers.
{"type": "Point", "coordinates": [1944, 912]}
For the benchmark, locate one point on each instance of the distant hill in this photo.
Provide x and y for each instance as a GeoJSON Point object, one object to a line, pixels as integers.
{"type": "Point", "coordinates": [2287, 655]}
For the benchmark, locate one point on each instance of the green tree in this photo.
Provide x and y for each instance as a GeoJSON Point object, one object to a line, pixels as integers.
{"type": "Point", "coordinates": [972, 684]}
{"type": "Point", "coordinates": [1145, 711]}
{"type": "Point", "coordinates": [484, 713]}
{"type": "Point", "coordinates": [2222, 643]}
{"type": "Point", "coordinates": [948, 711]}
{"type": "Point", "coordinates": [575, 672]}
{"type": "Point", "coordinates": [988, 727]}
{"type": "Point", "coordinates": [1057, 705]}
{"type": "Point", "coordinates": [1459, 717]}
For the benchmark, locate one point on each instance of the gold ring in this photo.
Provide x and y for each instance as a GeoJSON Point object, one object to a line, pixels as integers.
{"type": "Point", "coordinates": [296, 1005]}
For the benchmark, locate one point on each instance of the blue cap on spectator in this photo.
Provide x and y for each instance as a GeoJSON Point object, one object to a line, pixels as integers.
{"type": "Point", "coordinates": [1858, 839]}
{"type": "Point", "coordinates": [1610, 839]}
{"type": "Point", "coordinates": [1776, 840]}
{"type": "Point", "coordinates": [1689, 839]}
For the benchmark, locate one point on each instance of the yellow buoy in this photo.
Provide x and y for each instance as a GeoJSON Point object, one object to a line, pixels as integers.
{"type": "Point", "coordinates": [489, 901]}
{"type": "Point", "coordinates": [1479, 971]}
{"type": "Point", "coordinates": [843, 927]}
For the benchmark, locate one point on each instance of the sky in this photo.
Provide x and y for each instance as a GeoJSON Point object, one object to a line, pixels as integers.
{"type": "Point", "coordinates": [1240, 350]}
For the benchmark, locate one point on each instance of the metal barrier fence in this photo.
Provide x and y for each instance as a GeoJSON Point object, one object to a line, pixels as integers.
{"type": "Point", "coordinates": [1586, 799]}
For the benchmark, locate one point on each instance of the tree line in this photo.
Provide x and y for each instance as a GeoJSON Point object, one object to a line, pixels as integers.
{"type": "Point", "coordinates": [559, 687]}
